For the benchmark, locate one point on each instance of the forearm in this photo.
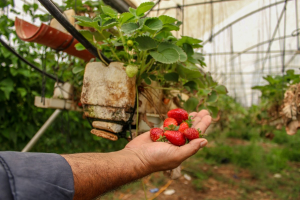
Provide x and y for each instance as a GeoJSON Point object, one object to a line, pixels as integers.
{"type": "Point", "coordinates": [97, 173]}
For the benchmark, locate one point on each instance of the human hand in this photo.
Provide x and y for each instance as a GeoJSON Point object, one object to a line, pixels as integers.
{"type": "Point", "coordinates": [159, 156]}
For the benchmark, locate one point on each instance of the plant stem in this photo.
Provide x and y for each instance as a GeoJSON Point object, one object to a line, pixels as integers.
{"type": "Point", "coordinates": [124, 45]}
{"type": "Point", "coordinates": [144, 189]}
{"type": "Point", "coordinates": [110, 44]}
{"type": "Point", "coordinates": [101, 57]}
{"type": "Point", "coordinates": [137, 110]}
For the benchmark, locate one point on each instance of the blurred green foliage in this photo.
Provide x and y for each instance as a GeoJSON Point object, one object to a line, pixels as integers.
{"type": "Point", "coordinates": [19, 84]}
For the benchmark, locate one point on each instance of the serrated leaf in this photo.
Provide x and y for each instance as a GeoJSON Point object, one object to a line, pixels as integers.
{"type": "Point", "coordinates": [76, 70]}
{"type": "Point", "coordinates": [188, 40]}
{"type": "Point", "coordinates": [109, 11]}
{"type": "Point", "coordinates": [191, 104]}
{"type": "Point", "coordinates": [221, 89]}
{"type": "Point", "coordinates": [86, 21]}
{"type": "Point", "coordinates": [213, 110]}
{"type": "Point", "coordinates": [152, 24]}
{"type": "Point", "coordinates": [125, 17]}
{"type": "Point", "coordinates": [79, 47]}
{"type": "Point", "coordinates": [129, 27]}
{"type": "Point", "coordinates": [212, 97]}
{"type": "Point", "coordinates": [188, 72]}
{"type": "Point", "coordinates": [145, 43]}
{"type": "Point", "coordinates": [165, 45]}
{"type": "Point", "coordinates": [188, 49]}
{"type": "Point", "coordinates": [109, 24]}
{"type": "Point", "coordinates": [144, 7]}
{"type": "Point", "coordinates": [152, 77]}
{"type": "Point", "coordinates": [167, 56]}
{"type": "Point", "coordinates": [172, 76]}
{"type": "Point", "coordinates": [192, 85]}
{"type": "Point", "coordinates": [167, 19]}
{"type": "Point", "coordinates": [132, 11]}
{"type": "Point", "coordinates": [7, 86]}
{"type": "Point", "coordinates": [170, 27]}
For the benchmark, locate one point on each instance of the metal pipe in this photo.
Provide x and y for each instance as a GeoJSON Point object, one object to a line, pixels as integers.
{"type": "Point", "coordinates": [249, 52]}
{"type": "Point", "coordinates": [28, 63]}
{"type": "Point", "coordinates": [37, 136]}
{"type": "Point", "coordinates": [55, 12]}
{"type": "Point", "coordinates": [243, 17]}
{"type": "Point", "coordinates": [193, 4]}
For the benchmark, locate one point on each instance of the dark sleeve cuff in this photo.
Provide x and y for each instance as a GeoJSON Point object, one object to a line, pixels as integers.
{"type": "Point", "coordinates": [44, 176]}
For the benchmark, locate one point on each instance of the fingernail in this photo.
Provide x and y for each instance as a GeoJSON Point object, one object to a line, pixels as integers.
{"type": "Point", "coordinates": [203, 143]}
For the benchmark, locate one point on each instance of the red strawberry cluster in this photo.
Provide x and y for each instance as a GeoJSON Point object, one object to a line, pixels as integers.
{"type": "Point", "coordinates": [176, 128]}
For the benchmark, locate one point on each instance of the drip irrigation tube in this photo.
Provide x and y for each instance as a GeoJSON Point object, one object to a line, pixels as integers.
{"type": "Point", "coordinates": [55, 12]}
{"type": "Point", "coordinates": [28, 63]}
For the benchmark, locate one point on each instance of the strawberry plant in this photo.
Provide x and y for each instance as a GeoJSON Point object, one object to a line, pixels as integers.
{"type": "Point", "coordinates": [149, 50]}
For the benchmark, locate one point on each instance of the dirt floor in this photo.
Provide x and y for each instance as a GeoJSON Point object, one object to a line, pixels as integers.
{"type": "Point", "coordinates": [222, 186]}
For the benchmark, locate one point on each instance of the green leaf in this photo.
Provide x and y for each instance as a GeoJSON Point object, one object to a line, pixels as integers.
{"type": "Point", "coordinates": [212, 97]}
{"type": "Point", "coordinates": [191, 104]}
{"type": "Point", "coordinates": [77, 69]}
{"type": "Point", "coordinates": [188, 72]}
{"type": "Point", "coordinates": [165, 45]}
{"type": "Point", "coordinates": [132, 11]}
{"type": "Point", "coordinates": [213, 110]}
{"type": "Point", "coordinates": [204, 92]}
{"type": "Point", "coordinates": [188, 49]}
{"type": "Point", "coordinates": [146, 43]}
{"type": "Point", "coordinates": [152, 77]}
{"type": "Point", "coordinates": [22, 91]}
{"type": "Point", "coordinates": [79, 47]}
{"type": "Point", "coordinates": [109, 11]}
{"type": "Point", "coordinates": [167, 19]}
{"type": "Point", "coordinates": [152, 24]}
{"type": "Point", "coordinates": [192, 85]}
{"type": "Point", "coordinates": [144, 7]}
{"type": "Point", "coordinates": [170, 27]}
{"type": "Point", "coordinates": [167, 56]}
{"type": "Point", "coordinates": [7, 86]}
{"type": "Point", "coordinates": [172, 76]}
{"type": "Point", "coordinates": [91, 35]}
{"type": "Point", "coordinates": [221, 89]}
{"type": "Point", "coordinates": [109, 24]}
{"type": "Point", "coordinates": [125, 17]}
{"type": "Point", "coordinates": [147, 81]}
{"type": "Point", "coordinates": [188, 40]}
{"type": "Point", "coordinates": [129, 27]}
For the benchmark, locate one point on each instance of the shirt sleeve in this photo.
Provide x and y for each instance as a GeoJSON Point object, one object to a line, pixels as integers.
{"type": "Point", "coordinates": [30, 176]}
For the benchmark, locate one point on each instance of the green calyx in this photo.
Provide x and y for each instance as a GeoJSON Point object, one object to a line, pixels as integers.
{"type": "Point", "coordinates": [171, 127]}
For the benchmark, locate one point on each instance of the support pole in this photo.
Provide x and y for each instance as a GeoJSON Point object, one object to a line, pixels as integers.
{"type": "Point", "coordinates": [37, 136]}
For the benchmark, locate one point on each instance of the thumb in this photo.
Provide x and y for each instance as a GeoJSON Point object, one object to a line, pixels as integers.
{"type": "Point", "coordinates": [191, 148]}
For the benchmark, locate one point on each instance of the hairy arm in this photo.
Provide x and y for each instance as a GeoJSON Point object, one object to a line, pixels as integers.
{"type": "Point", "coordinates": [97, 173]}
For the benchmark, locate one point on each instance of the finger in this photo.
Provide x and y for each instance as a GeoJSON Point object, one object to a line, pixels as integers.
{"type": "Point", "coordinates": [204, 123]}
{"type": "Point", "coordinates": [191, 148]}
{"type": "Point", "coordinates": [193, 114]}
{"type": "Point", "coordinates": [196, 120]}
{"type": "Point", "coordinates": [202, 113]}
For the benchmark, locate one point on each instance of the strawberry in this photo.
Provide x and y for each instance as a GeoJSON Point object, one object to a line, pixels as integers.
{"type": "Point", "coordinates": [131, 70]}
{"type": "Point", "coordinates": [178, 114]}
{"type": "Point", "coordinates": [170, 121]}
{"type": "Point", "coordinates": [192, 133]}
{"type": "Point", "coordinates": [175, 137]}
{"type": "Point", "coordinates": [156, 133]}
{"type": "Point", "coordinates": [185, 124]}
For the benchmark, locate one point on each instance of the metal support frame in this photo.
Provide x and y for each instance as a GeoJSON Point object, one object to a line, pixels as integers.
{"type": "Point", "coordinates": [40, 132]}
{"type": "Point", "coordinates": [243, 17]}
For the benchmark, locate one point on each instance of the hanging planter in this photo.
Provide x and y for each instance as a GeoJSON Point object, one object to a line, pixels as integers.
{"type": "Point", "coordinates": [50, 37]}
{"type": "Point", "coordinates": [154, 69]}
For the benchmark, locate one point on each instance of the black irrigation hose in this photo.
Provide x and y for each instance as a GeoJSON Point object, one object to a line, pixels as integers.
{"type": "Point", "coordinates": [28, 63]}
{"type": "Point", "coordinates": [53, 10]}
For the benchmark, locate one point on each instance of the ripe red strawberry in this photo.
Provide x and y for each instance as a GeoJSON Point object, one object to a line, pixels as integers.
{"type": "Point", "coordinates": [192, 133]}
{"type": "Point", "coordinates": [170, 121]}
{"type": "Point", "coordinates": [156, 133]}
{"type": "Point", "coordinates": [178, 114]}
{"type": "Point", "coordinates": [175, 137]}
{"type": "Point", "coordinates": [185, 124]}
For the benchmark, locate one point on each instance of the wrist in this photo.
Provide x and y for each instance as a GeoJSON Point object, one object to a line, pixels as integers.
{"type": "Point", "coordinates": [140, 163]}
